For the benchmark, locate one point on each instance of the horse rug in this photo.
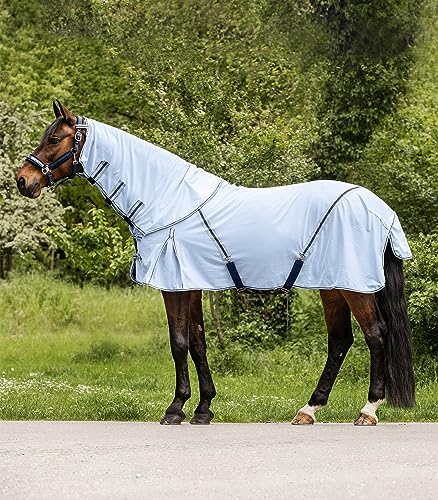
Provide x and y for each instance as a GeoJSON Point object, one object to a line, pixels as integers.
{"type": "Point", "coordinates": [194, 230]}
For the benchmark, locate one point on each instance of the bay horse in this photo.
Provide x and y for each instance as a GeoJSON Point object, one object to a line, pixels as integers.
{"type": "Point", "coordinates": [130, 171]}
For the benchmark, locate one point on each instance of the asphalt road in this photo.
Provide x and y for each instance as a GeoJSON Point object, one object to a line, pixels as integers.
{"type": "Point", "coordinates": [96, 460]}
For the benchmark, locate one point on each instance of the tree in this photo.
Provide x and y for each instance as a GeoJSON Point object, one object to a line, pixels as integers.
{"type": "Point", "coordinates": [400, 162]}
{"type": "Point", "coordinates": [369, 54]}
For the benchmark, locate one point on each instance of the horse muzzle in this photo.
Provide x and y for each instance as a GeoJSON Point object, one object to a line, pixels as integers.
{"type": "Point", "coordinates": [29, 188]}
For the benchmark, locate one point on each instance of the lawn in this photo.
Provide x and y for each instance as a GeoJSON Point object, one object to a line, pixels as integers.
{"type": "Point", "coordinates": [72, 353]}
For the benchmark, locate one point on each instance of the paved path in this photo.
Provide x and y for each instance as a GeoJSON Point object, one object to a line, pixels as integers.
{"type": "Point", "coordinates": [96, 460]}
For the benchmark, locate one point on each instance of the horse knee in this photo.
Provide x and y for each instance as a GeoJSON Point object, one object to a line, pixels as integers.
{"type": "Point", "coordinates": [179, 346]}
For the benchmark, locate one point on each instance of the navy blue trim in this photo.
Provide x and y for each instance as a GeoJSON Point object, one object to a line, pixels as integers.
{"type": "Point", "coordinates": [116, 190]}
{"type": "Point", "coordinates": [128, 217]}
{"type": "Point", "coordinates": [133, 270]}
{"type": "Point", "coordinates": [216, 239]}
{"type": "Point", "coordinates": [298, 264]}
{"type": "Point", "coordinates": [135, 208]}
{"type": "Point", "coordinates": [231, 266]}
{"type": "Point", "coordinates": [99, 170]}
{"type": "Point", "coordinates": [318, 229]}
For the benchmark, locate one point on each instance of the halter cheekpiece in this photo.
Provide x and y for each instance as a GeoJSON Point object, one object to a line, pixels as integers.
{"type": "Point", "coordinates": [48, 168]}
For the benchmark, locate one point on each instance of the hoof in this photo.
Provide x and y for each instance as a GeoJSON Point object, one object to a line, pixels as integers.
{"type": "Point", "coordinates": [202, 418]}
{"type": "Point", "coordinates": [302, 419]}
{"type": "Point", "coordinates": [172, 418]}
{"type": "Point", "coordinates": [364, 419]}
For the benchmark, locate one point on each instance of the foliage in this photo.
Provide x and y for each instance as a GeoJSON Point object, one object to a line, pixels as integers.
{"type": "Point", "coordinates": [369, 51]}
{"type": "Point", "coordinates": [401, 163]}
{"type": "Point", "coordinates": [422, 290]}
{"type": "Point", "coordinates": [95, 249]}
{"type": "Point", "coordinates": [23, 221]}
{"type": "Point", "coordinates": [254, 319]}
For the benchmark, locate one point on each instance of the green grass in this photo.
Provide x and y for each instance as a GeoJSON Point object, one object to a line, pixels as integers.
{"type": "Point", "coordinates": [72, 353]}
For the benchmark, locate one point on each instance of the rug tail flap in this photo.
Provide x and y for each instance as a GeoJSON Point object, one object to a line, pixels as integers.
{"type": "Point", "coordinates": [399, 243]}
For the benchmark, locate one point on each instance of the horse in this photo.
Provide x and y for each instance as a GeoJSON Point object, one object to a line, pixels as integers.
{"type": "Point", "coordinates": [346, 242]}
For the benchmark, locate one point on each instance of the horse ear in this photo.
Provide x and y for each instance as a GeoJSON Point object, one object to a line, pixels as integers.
{"type": "Point", "coordinates": [61, 111]}
{"type": "Point", "coordinates": [56, 109]}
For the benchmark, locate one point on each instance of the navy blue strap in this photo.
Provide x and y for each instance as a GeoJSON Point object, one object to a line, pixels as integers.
{"type": "Point", "coordinates": [62, 159]}
{"type": "Point", "coordinates": [293, 275]}
{"type": "Point", "coordinates": [232, 269]}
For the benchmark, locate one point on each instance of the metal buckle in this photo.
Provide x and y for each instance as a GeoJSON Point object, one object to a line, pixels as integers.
{"type": "Point", "coordinates": [45, 170]}
{"type": "Point", "coordinates": [78, 136]}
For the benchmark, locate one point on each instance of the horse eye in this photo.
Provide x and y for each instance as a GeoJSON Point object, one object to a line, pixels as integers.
{"type": "Point", "coordinates": [53, 140]}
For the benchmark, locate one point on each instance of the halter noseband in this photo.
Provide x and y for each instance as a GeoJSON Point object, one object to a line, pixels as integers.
{"type": "Point", "coordinates": [47, 168]}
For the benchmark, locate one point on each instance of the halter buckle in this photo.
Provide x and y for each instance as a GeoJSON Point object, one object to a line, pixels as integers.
{"type": "Point", "coordinates": [45, 170]}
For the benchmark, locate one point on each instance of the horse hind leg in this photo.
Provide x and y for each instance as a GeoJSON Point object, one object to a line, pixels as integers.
{"type": "Point", "coordinates": [365, 310]}
{"type": "Point", "coordinates": [198, 351]}
{"type": "Point", "coordinates": [340, 338]}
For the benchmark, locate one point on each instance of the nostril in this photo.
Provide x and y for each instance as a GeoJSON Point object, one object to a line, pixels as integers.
{"type": "Point", "coordinates": [21, 183]}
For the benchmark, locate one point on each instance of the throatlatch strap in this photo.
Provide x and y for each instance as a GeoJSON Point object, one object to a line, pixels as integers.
{"type": "Point", "coordinates": [298, 264]}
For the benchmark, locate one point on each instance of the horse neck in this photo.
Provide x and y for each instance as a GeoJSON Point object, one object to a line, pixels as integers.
{"type": "Point", "coordinates": [135, 159]}
{"type": "Point", "coordinates": [168, 186]}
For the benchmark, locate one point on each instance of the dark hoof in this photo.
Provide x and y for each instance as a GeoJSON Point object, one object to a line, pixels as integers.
{"type": "Point", "coordinates": [364, 419]}
{"type": "Point", "coordinates": [172, 418]}
{"type": "Point", "coordinates": [202, 418]}
{"type": "Point", "coordinates": [302, 419]}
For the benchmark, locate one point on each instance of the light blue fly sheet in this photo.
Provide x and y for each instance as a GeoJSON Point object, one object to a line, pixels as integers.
{"type": "Point", "coordinates": [194, 230]}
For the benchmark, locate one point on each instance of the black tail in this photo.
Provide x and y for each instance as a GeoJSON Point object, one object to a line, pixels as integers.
{"type": "Point", "coordinates": [399, 371]}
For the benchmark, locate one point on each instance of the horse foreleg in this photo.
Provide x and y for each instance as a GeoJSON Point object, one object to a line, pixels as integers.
{"type": "Point", "coordinates": [198, 352]}
{"type": "Point", "coordinates": [178, 310]}
{"type": "Point", "coordinates": [340, 338]}
{"type": "Point", "coordinates": [367, 313]}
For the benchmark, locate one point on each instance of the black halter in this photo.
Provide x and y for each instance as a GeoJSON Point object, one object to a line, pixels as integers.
{"type": "Point", "coordinates": [47, 169]}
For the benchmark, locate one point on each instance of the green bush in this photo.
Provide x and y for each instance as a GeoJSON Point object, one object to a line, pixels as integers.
{"type": "Point", "coordinates": [96, 250]}
{"type": "Point", "coordinates": [422, 291]}
{"type": "Point", "coordinates": [257, 320]}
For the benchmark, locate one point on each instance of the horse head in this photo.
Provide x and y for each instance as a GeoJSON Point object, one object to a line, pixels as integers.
{"type": "Point", "coordinates": [56, 157]}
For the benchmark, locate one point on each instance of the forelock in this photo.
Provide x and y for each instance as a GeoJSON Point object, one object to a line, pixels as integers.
{"type": "Point", "coordinates": [52, 128]}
